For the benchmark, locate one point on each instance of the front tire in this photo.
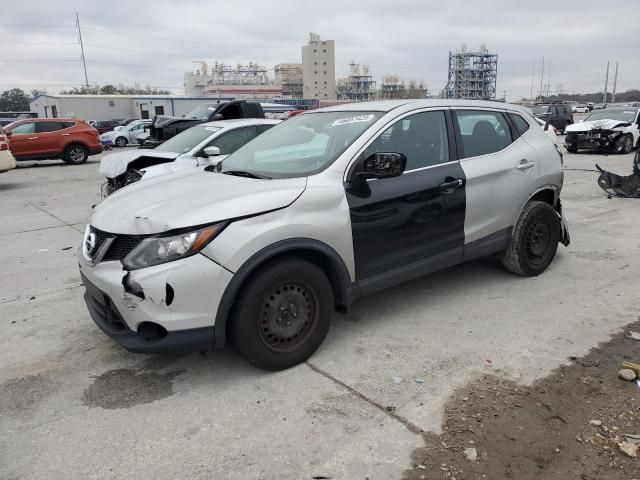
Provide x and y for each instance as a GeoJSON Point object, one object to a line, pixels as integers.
{"type": "Point", "coordinates": [121, 142]}
{"type": "Point", "coordinates": [626, 144]}
{"type": "Point", "coordinates": [534, 241]}
{"type": "Point", "coordinates": [572, 148]}
{"type": "Point", "coordinates": [282, 314]}
{"type": "Point", "coordinates": [76, 154]}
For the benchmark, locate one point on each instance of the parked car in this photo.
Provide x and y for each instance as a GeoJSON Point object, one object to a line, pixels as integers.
{"type": "Point", "coordinates": [600, 106]}
{"type": "Point", "coordinates": [590, 106]}
{"type": "Point", "coordinates": [613, 130]}
{"type": "Point", "coordinates": [164, 127]}
{"type": "Point", "coordinates": [550, 130]}
{"type": "Point", "coordinates": [103, 126]}
{"type": "Point", "coordinates": [326, 207]}
{"type": "Point", "coordinates": [123, 136]}
{"type": "Point", "coordinates": [7, 162]}
{"type": "Point", "coordinates": [580, 109]}
{"type": "Point", "coordinates": [127, 121]}
{"type": "Point", "coordinates": [70, 139]}
{"type": "Point", "coordinates": [197, 146]}
{"type": "Point", "coordinates": [559, 114]}
{"type": "Point", "coordinates": [140, 139]}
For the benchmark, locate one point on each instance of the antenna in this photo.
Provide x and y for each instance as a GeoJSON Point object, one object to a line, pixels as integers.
{"type": "Point", "coordinates": [84, 63]}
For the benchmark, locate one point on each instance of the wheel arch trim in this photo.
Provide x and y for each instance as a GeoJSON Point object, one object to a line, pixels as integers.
{"type": "Point", "coordinates": [338, 276]}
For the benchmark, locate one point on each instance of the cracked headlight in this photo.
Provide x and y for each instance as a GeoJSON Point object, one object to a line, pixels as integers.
{"type": "Point", "coordinates": [163, 249]}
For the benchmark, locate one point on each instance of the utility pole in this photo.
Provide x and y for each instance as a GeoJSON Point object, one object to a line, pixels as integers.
{"type": "Point", "coordinates": [615, 83]}
{"type": "Point", "coordinates": [84, 63]}
{"type": "Point", "coordinates": [533, 71]}
{"type": "Point", "coordinates": [606, 85]}
{"type": "Point", "coordinates": [541, 78]}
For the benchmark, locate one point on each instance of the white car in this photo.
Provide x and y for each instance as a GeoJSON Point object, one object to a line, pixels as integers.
{"type": "Point", "coordinates": [551, 130]}
{"type": "Point", "coordinates": [614, 130]}
{"type": "Point", "coordinates": [581, 109]}
{"type": "Point", "coordinates": [195, 147]}
{"type": "Point", "coordinates": [7, 162]}
{"type": "Point", "coordinates": [127, 135]}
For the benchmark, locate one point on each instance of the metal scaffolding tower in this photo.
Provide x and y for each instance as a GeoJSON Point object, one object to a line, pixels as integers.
{"type": "Point", "coordinates": [472, 75]}
{"type": "Point", "coordinates": [359, 86]}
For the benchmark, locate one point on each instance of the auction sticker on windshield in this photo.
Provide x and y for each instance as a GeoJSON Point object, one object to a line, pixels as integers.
{"type": "Point", "coordinates": [356, 119]}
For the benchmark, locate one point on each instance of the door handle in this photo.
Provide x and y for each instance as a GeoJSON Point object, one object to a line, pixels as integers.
{"type": "Point", "coordinates": [32, 138]}
{"type": "Point", "coordinates": [66, 134]}
{"type": "Point", "coordinates": [450, 186]}
{"type": "Point", "coordinates": [525, 164]}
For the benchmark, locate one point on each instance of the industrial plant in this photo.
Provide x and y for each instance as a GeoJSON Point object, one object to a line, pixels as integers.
{"type": "Point", "coordinates": [471, 75]}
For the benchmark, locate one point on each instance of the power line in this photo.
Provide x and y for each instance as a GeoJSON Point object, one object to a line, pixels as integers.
{"type": "Point", "coordinates": [84, 62]}
{"type": "Point", "coordinates": [113, 32]}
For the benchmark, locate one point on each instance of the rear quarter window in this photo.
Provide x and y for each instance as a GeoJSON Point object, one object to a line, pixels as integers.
{"type": "Point", "coordinates": [521, 124]}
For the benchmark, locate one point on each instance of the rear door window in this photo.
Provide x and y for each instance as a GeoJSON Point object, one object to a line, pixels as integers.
{"type": "Point", "coordinates": [482, 132]}
{"type": "Point", "coordinates": [46, 127]}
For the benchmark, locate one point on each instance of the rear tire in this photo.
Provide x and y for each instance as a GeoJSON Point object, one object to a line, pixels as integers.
{"type": "Point", "coordinates": [76, 154]}
{"type": "Point", "coordinates": [534, 241]}
{"type": "Point", "coordinates": [571, 148]}
{"type": "Point", "coordinates": [282, 314]}
{"type": "Point", "coordinates": [121, 142]}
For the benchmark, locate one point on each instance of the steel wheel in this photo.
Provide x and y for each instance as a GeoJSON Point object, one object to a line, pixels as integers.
{"type": "Point", "coordinates": [537, 243]}
{"type": "Point", "coordinates": [289, 313]}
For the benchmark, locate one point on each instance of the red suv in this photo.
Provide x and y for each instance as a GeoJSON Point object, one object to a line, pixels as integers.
{"type": "Point", "coordinates": [70, 139]}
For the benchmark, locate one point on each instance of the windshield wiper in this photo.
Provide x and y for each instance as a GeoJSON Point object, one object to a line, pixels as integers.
{"type": "Point", "coordinates": [243, 173]}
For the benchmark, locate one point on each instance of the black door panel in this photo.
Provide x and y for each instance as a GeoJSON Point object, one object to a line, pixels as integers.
{"type": "Point", "coordinates": [406, 219]}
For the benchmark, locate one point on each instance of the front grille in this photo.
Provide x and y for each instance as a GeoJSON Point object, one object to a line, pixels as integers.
{"type": "Point", "coordinates": [120, 247]}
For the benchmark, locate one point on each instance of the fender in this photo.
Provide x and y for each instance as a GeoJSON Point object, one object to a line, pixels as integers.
{"type": "Point", "coordinates": [334, 266]}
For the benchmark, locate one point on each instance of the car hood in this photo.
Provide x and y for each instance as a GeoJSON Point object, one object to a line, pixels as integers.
{"type": "Point", "coordinates": [595, 124]}
{"type": "Point", "coordinates": [161, 121]}
{"type": "Point", "coordinates": [183, 162]}
{"type": "Point", "coordinates": [116, 163]}
{"type": "Point", "coordinates": [189, 198]}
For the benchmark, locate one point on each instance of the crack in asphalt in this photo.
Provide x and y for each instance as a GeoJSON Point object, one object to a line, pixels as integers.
{"type": "Point", "coordinates": [66, 224]}
{"type": "Point", "coordinates": [410, 426]}
{"type": "Point", "coordinates": [41, 294]}
{"type": "Point", "coordinates": [41, 228]}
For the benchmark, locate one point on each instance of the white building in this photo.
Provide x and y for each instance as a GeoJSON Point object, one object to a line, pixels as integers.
{"type": "Point", "coordinates": [107, 107]}
{"type": "Point", "coordinates": [319, 69]}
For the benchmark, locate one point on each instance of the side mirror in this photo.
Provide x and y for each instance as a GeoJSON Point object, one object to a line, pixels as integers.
{"type": "Point", "coordinates": [383, 165]}
{"type": "Point", "coordinates": [217, 116]}
{"type": "Point", "coordinates": [211, 151]}
{"type": "Point", "coordinates": [546, 125]}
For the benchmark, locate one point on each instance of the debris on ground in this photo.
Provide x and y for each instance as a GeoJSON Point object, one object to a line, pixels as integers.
{"type": "Point", "coordinates": [471, 454]}
{"type": "Point", "coordinates": [627, 374]}
{"type": "Point", "coordinates": [67, 248]}
{"type": "Point", "coordinates": [632, 366]}
{"type": "Point", "coordinates": [629, 449]}
{"type": "Point", "coordinates": [579, 422]}
{"type": "Point", "coordinates": [634, 335]}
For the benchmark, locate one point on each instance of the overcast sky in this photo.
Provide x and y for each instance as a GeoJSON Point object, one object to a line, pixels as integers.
{"type": "Point", "coordinates": [410, 38]}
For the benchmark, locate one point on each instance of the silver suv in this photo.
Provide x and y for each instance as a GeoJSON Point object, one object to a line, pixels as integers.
{"type": "Point", "coordinates": [320, 210]}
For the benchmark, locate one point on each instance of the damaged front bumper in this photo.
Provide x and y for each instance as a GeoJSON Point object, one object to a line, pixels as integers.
{"type": "Point", "coordinates": [598, 139]}
{"type": "Point", "coordinates": [157, 309]}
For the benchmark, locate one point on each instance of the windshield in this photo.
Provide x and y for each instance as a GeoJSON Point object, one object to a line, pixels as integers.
{"type": "Point", "coordinates": [620, 115]}
{"type": "Point", "coordinates": [187, 140]}
{"type": "Point", "coordinates": [540, 109]}
{"type": "Point", "coordinates": [301, 146]}
{"type": "Point", "coordinates": [202, 112]}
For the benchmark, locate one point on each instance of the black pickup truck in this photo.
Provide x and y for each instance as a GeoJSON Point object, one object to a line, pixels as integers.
{"type": "Point", "coordinates": [164, 127]}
